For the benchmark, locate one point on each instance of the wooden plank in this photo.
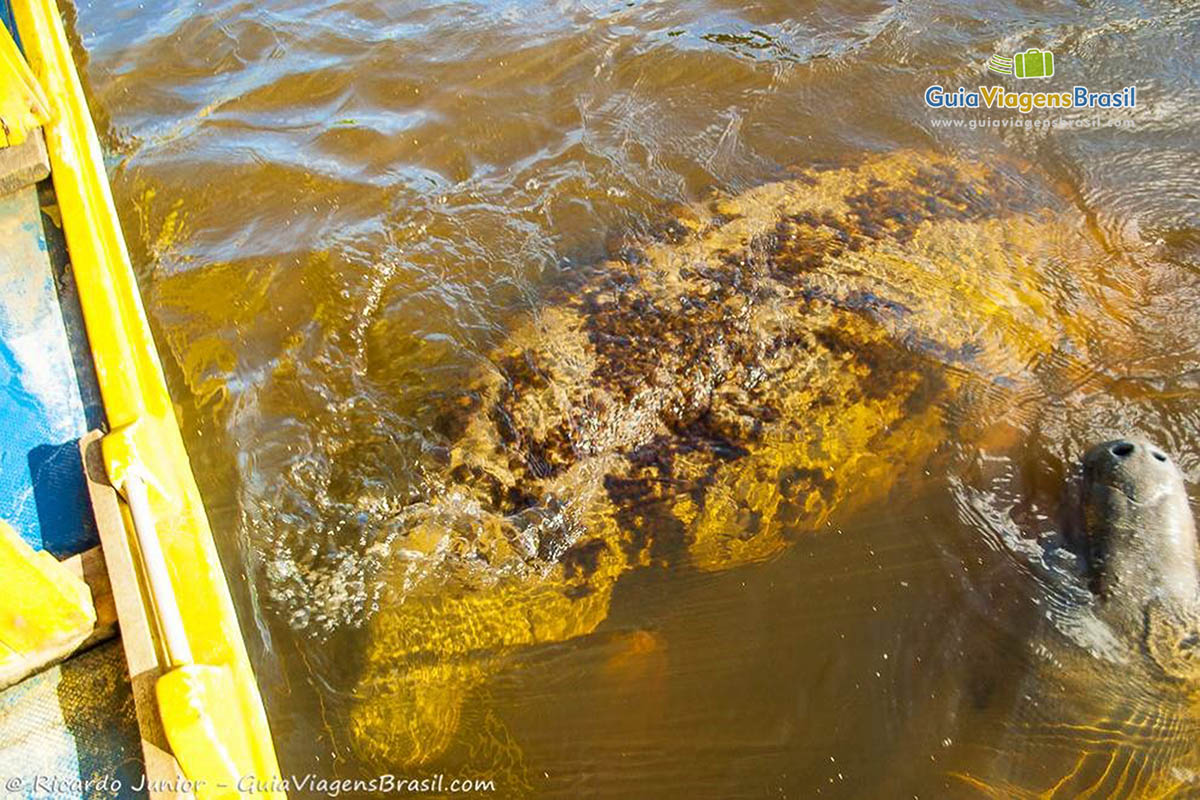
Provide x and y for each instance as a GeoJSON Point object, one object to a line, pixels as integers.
{"type": "Point", "coordinates": [89, 567]}
{"type": "Point", "coordinates": [137, 631]}
{"type": "Point", "coordinates": [24, 163]}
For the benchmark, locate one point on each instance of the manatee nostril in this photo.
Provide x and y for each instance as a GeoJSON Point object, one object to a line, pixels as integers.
{"type": "Point", "coordinates": [1123, 449]}
{"type": "Point", "coordinates": [1159, 454]}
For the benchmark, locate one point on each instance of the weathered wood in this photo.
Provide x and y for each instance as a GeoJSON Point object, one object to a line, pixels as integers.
{"type": "Point", "coordinates": [24, 163]}
{"type": "Point", "coordinates": [137, 627]}
{"type": "Point", "coordinates": [89, 567]}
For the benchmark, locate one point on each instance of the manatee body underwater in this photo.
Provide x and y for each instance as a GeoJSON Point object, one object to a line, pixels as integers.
{"type": "Point", "coordinates": [1123, 667]}
{"type": "Point", "coordinates": [774, 359]}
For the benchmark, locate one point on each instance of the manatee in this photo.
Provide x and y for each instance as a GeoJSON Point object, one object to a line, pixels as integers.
{"type": "Point", "coordinates": [1142, 552]}
{"type": "Point", "coordinates": [767, 363]}
{"type": "Point", "coordinates": [1110, 708]}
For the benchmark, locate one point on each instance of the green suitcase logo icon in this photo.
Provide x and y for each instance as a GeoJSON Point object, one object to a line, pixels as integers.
{"type": "Point", "coordinates": [1034, 64]}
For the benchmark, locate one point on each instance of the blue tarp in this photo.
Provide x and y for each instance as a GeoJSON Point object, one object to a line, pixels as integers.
{"type": "Point", "coordinates": [45, 403]}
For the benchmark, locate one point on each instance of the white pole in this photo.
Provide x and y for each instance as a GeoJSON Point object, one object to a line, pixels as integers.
{"type": "Point", "coordinates": [155, 563]}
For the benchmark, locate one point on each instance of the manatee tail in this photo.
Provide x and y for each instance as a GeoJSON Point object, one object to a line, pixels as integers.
{"type": "Point", "coordinates": [438, 714]}
{"type": "Point", "coordinates": [413, 713]}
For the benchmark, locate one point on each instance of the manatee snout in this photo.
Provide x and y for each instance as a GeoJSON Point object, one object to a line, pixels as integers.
{"type": "Point", "coordinates": [1142, 550]}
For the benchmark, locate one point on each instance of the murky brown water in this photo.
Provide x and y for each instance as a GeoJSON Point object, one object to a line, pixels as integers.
{"type": "Point", "coordinates": [338, 210]}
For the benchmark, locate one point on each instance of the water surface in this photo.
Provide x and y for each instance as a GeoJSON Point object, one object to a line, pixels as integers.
{"type": "Point", "coordinates": [336, 211]}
